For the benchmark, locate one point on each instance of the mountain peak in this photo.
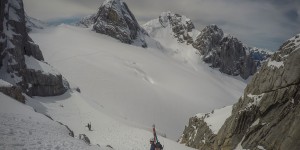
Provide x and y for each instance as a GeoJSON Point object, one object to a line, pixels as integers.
{"type": "Point", "coordinates": [227, 52]}
{"type": "Point", "coordinates": [111, 1]}
{"type": "Point", "coordinates": [174, 19]}
{"type": "Point", "coordinates": [116, 20]}
{"type": "Point", "coordinates": [213, 30]}
{"type": "Point", "coordinates": [179, 26]}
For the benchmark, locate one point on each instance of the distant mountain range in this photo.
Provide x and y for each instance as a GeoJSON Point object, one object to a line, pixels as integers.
{"type": "Point", "coordinates": [225, 52]}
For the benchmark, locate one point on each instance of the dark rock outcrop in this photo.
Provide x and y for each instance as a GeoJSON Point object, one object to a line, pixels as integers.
{"type": "Point", "coordinates": [71, 133]}
{"type": "Point", "coordinates": [228, 53]}
{"type": "Point", "coordinates": [198, 134]}
{"type": "Point", "coordinates": [116, 20]}
{"type": "Point", "coordinates": [268, 113]}
{"type": "Point", "coordinates": [32, 23]}
{"type": "Point", "coordinates": [87, 21]}
{"type": "Point", "coordinates": [84, 138]}
{"type": "Point", "coordinates": [267, 116]}
{"type": "Point", "coordinates": [12, 91]}
{"type": "Point", "coordinates": [203, 128]}
{"type": "Point", "coordinates": [15, 47]}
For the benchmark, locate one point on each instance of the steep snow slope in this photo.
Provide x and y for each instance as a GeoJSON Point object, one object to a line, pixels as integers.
{"type": "Point", "coordinates": [22, 128]}
{"type": "Point", "coordinates": [169, 30]}
{"type": "Point", "coordinates": [74, 111]}
{"type": "Point", "coordinates": [139, 85]}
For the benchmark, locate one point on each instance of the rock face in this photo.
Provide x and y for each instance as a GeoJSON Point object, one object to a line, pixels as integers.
{"type": "Point", "coordinates": [198, 134]}
{"type": "Point", "coordinates": [87, 21]}
{"type": "Point", "coordinates": [21, 61]}
{"type": "Point", "coordinates": [116, 20]}
{"type": "Point", "coordinates": [225, 52]}
{"type": "Point", "coordinates": [203, 128]}
{"type": "Point", "coordinates": [267, 116]}
{"type": "Point", "coordinates": [84, 138]}
{"type": "Point", "coordinates": [228, 53]}
{"type": "Point", "coordinates": [168, 23]}
{"type": "Point", "coordinates": [12, 91]}
{"type": "Point", "coordinates": [32, 23]}
{"type": "Point", "coordinates": [180, 25]}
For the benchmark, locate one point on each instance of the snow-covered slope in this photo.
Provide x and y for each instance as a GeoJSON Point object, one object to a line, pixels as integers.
{"type": "Point", "coordinates": [73, 110]}
{"type": "Point", "coordinates": [141, 86]}
{"type": "Point", "coordinates": [216, 118]}
{"type": "Point", "coordinates": [22, 128]}
{"type": "Point", "coordinates": [173, 26]}
{"type": "Point", "coordinates": [175, 34]}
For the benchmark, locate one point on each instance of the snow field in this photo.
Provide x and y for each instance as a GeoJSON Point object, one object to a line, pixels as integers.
{"type": "Point", "coordinates": [23, 129]}
{"type": "Point", "coordinates": [136, 85]}
{"type": "Point", "coordinates": [72, 110]}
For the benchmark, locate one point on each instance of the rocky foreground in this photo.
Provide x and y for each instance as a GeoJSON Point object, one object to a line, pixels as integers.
{"type": "Point", "coordinates": [267, 116]}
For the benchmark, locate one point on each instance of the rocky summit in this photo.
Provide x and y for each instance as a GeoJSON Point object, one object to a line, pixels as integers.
{"type": "Point", "coordinates": [116, 20]}
{"type": "Point", "coordinates": [221, 51]}
{"type": "Point", "coordinates": [21, 61]}
{"type": "Point", "coordinates": [266, 116]}
{"type": "Point", "coordinates": [180, 25]}
{"type": "Point", "coordinates": [227, 53]}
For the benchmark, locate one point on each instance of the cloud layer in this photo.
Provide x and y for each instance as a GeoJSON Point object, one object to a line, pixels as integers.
{"type": "Point", "coordinates": [265, 24]}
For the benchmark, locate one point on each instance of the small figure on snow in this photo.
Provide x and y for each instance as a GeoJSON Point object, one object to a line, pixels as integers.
{"type": "Point", "coordinates": [89, 125]}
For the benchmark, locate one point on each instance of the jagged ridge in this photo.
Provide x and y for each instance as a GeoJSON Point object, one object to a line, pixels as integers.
{"type": "Point", "coordinates": [225, 52]}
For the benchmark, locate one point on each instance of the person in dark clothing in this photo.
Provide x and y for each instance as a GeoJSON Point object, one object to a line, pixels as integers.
{"type": "Point", "coordinates": [152, 144]}
{"type": "Point", "coordinates": [89, 125]}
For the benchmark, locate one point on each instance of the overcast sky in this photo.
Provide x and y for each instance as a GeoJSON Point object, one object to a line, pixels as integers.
{"type": "Point", "coordinates": [260, 23]}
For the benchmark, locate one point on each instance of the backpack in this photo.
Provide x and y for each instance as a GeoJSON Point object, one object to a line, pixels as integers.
{"type": "Point", "coordinates": [158, 145]}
